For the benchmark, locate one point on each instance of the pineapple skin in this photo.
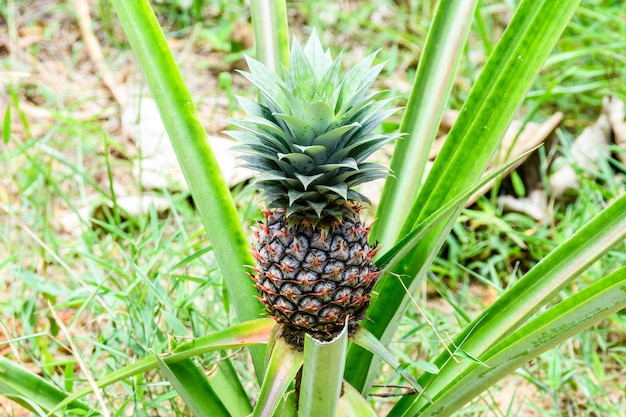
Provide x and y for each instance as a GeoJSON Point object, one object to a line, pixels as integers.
{"type": "Point", "coordinates": [313, 278]}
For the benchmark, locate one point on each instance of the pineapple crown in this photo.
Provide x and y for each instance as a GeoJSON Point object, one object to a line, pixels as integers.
{"type": "Point", "coordinates": [312, 131]}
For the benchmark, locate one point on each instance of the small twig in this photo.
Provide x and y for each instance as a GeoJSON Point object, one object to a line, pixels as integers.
{"type": "Point", "coordinates": [81, 363]}
{"type": "Point", "coordinates": [405, 391]}
{"type": "Point", "coordinates": [94, 51]}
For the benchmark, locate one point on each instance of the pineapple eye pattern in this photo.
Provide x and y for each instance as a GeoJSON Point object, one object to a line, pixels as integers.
{"type": "Point", "coordinates": [317, 295]}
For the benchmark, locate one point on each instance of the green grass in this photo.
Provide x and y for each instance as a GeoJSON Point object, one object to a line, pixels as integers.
{"type": "Point", "coordinates": [126, 287]}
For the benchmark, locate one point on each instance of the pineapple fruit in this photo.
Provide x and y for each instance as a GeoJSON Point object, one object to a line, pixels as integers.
{"type": "Point", "coordinates": [309, 137]}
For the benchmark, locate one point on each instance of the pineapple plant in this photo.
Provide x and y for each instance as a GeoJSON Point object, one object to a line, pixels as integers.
{"type": "Point", "coordinates": [309, 137]}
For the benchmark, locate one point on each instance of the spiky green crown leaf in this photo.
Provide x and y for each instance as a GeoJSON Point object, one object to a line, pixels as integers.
{"type": "Point", "coordinates": [311, 135]}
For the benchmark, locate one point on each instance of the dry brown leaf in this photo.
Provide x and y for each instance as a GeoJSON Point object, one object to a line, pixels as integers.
{"type": "Point", "coordinates": [587, 149]}
{"type": "Point", "coordinates": [614, 108]}
{"type": "Point", "coordinates": [515, 144]}
{"type": "Point", "coordinates": [243, 33]}
{"type": "Point", "coordinates": [158, 166]}
{"type": "Point", "coordinates": [229, 162]}
{"type": "Point", "coordinates": [534, 206]}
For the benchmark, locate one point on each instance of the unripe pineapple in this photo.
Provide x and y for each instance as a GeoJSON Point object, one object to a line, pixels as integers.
{"type": "Point", "coordinates": [309, 138]}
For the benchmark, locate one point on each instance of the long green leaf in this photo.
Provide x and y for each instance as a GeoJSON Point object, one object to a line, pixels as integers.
{"type": "Point", "coordinates": [535, 289]}
{"type": "Point", "coordinates": [433, 82]}
{"type": "Point", "coordinates": [284, 363]}
{"type": "Point", "coordinates": [507, 75]}
{"type": "Point", "coordinates": [580, 311]}
{"type": "Point", "coordinates": [237, 336]}
{"type": "Point", "coordinates": [227, 385]}
{"type": "Point", "coordinates": [193, 387]}
{"type": "Point", "coordinates": [322, 376]}
{"type": "Point", "coordinates": [33, 392]}
{"type": "Point", "coordinates": [197, 161]}
{"type": "Point", "coordinates": [269, 23]}
{"type": "Point", "coordinates": [353, 404]}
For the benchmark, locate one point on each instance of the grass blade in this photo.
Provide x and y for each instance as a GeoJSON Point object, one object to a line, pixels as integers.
{"type": "Point", "coordinates": [6, 125]}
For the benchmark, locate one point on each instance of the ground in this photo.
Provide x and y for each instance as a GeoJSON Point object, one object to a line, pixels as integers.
{"type": "Point", "coordinates": [70, 149]}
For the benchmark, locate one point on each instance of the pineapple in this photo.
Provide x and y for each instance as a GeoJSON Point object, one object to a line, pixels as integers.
{"type": "Point", "coordinates": [309, 137]}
